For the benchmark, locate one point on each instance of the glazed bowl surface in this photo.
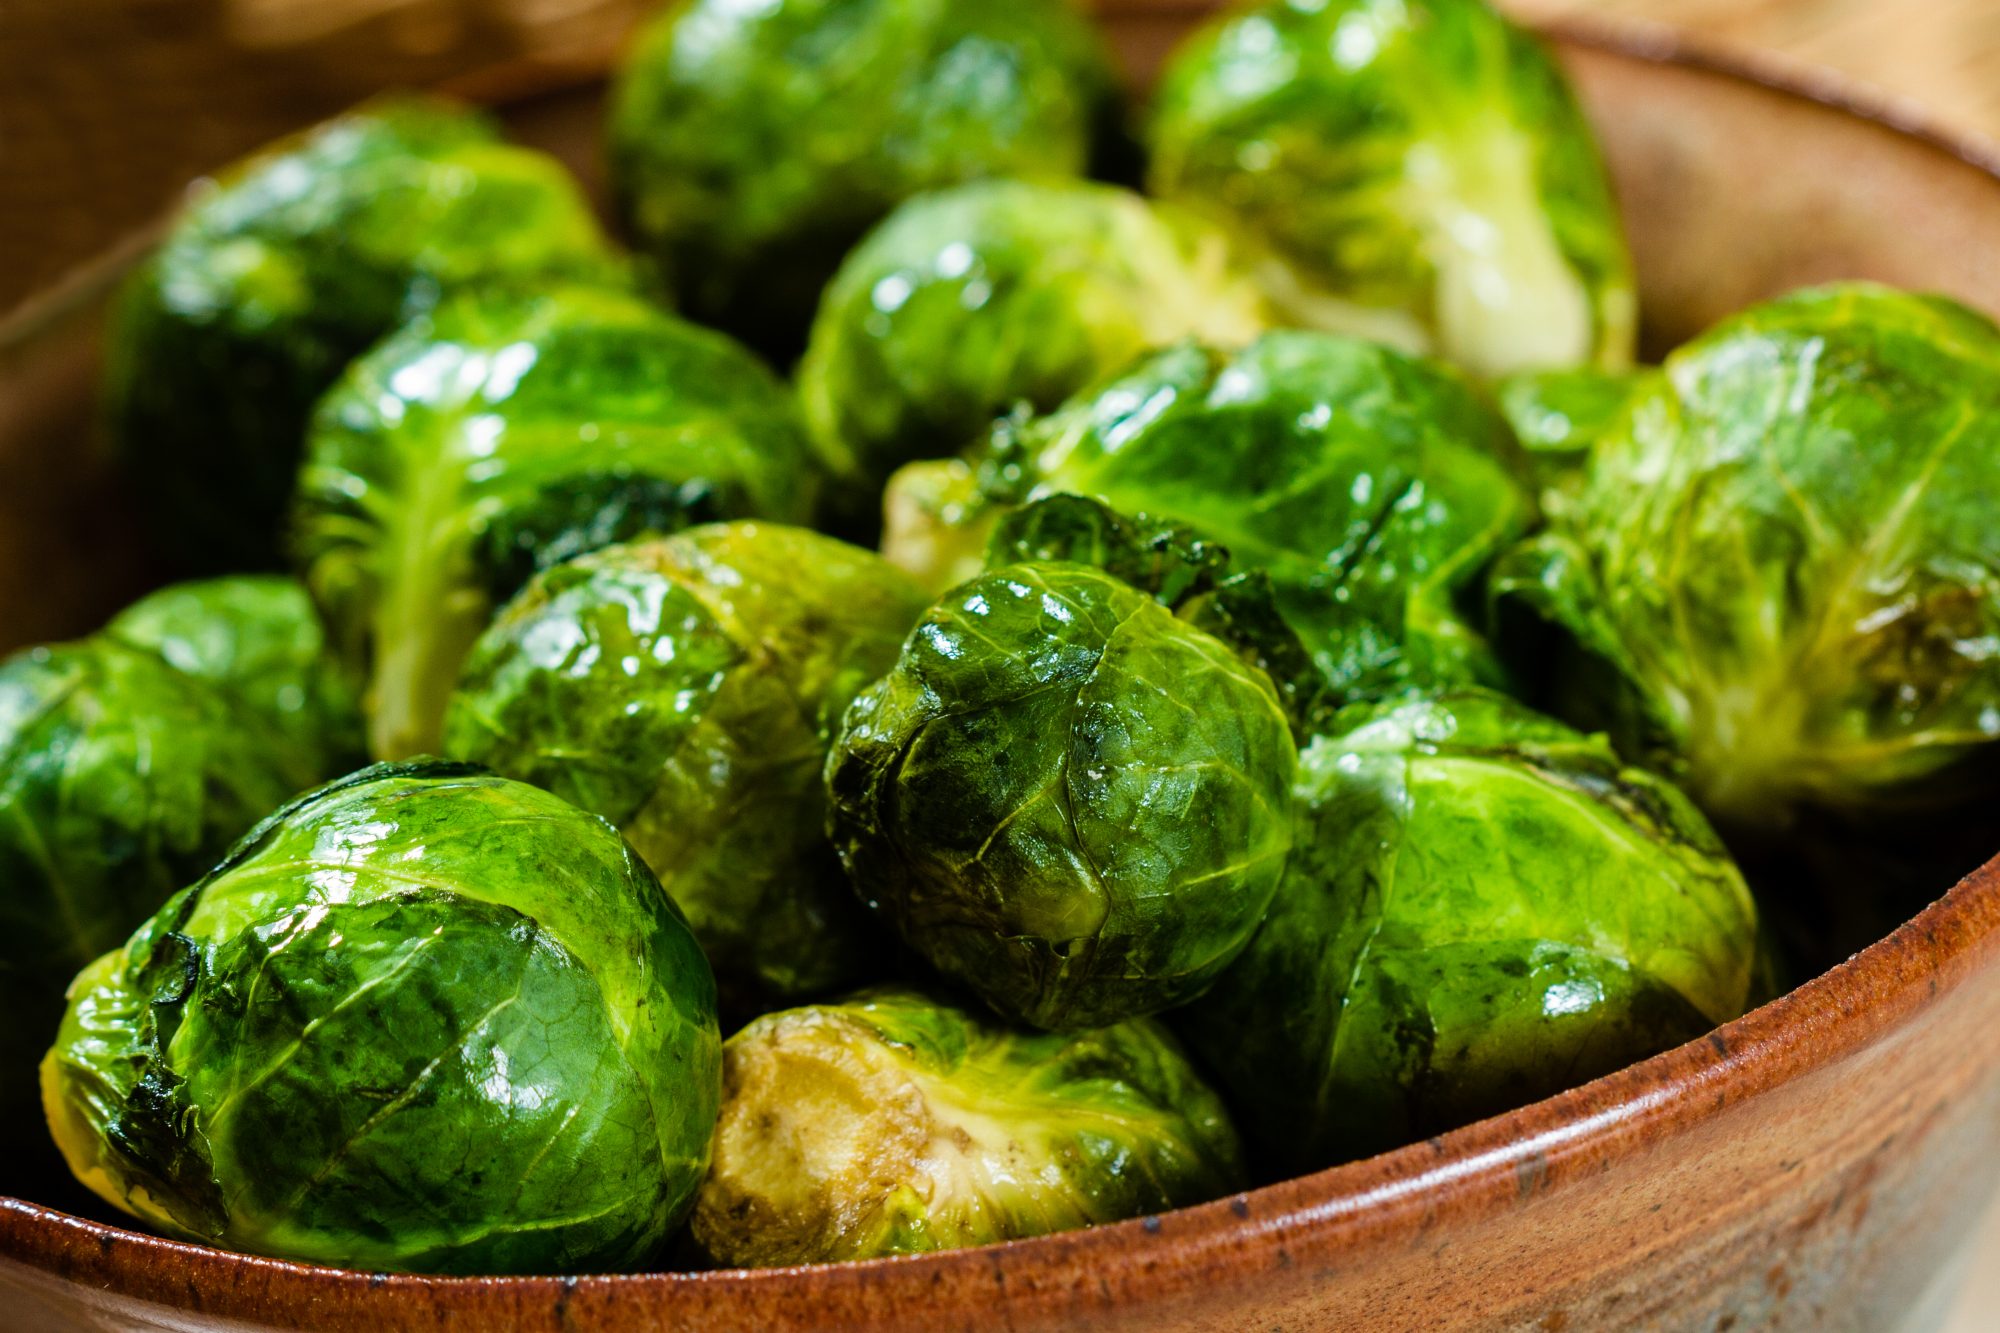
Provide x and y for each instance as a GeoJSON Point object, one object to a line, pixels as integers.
{"type": "Point", "coordinates": [1818, 1164]}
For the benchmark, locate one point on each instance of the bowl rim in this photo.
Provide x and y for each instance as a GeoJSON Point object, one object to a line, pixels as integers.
{"type": "Point", "coordinates": [1467, 1175]}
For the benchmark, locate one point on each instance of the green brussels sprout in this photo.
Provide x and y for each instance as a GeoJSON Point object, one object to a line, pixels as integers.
{"type": "Point", "coordinates": [1372, 487]}
{"type": "Point", "coordinates": [284, 270]}
{"type": "Point", "coordinates": [1777, 584]}
{"type": "Point", "coordinates": [1064, 797]}
{"type": "Point", "coordinates": [1558, 416]}
{"type": "Point", "coordinates": [687, 689]}
{"type": "Point", "coordinates": [1419, 171]}
{"type": "Point", "coordinates": [752, 145]}
{"type": "Point", "coordinates": [505, 432]}
{"type": "Point", "coordinates": [965, 302]}
{"type": "Point", "coordinates": [898, 1124]}
{"type": "Point", "coordinates": [423, 1018]}
{"type": "Point", "coordinates": [121, 779]}
{"type": "Point", "coordinates": [936, 519]}
{"type": "Point", "coordinates": [257, 638]}
{"type": "Point", "coordinates": [1482, 907]}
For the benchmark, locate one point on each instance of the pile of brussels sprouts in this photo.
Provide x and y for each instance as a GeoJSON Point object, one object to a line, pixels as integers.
{"type": "Point", "coordinates": [1299, 706]}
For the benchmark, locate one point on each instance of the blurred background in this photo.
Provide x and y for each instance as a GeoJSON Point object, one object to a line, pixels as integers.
{"type": "Point", "coordinates": [109, 107]}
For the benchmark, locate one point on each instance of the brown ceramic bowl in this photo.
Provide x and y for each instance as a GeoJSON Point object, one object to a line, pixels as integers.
{"type": "Point", "coordinates": [1815, 1165]}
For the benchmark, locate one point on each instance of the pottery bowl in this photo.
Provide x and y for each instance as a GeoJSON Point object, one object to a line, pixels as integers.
{"type": "Point", "coordinates": [1817, 1164]}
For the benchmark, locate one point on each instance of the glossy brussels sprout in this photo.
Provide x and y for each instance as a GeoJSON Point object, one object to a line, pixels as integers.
{"type": "Point", "coordinates": [752, 145]}
{"type": "Point", "coordinates": [121, 779]}
{"type": "Point", "coordinates": [687, 689]}
{"type": "Point", "coordinates": [1558, 416]}
{"type": "Point", "coordinates": [285, 269]}
{"type": "Point", "coordinates": [1419, 170]}
{"type": "Point", "coordinates": [499, 1058]}
{"type": "Point", "coordinates": [965, 302]}
{"type": "Point", "coordinates": [1778, 582]}
{"type": "Point", "coordinates": [1372, 487]}
{"type": "Point", "coordinates": [897, 1124]}
{"type": "Point", "coordinates": [257, 638]}
{"type": "Point", "coordinates": [1482, 907]}
{"type": "Point", "coordinates": [1064, 797]}
{"type": "Point", "coordinates": [501, 434]}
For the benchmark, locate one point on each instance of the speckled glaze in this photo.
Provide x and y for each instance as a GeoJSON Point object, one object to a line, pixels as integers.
{"type": "Point", "coordinates": [1815, 1165]}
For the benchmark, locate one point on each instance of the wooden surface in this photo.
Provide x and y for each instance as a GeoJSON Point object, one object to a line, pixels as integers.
{"type": "Point", "coordinates": [1942, 57]}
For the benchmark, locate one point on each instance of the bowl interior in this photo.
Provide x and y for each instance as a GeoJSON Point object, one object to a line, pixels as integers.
{"type": "Point", "coordinates": [1733, 191]}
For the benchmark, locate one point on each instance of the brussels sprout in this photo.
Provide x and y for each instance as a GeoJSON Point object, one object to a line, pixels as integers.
{"type": "Point", "coordinates": [752, 145]}
{"type": "Point", "coordinates": [121, 779]}
{"type": "Point", "coordinates": [1372, 487]}
{"type": "Point", "coordinates": [1558, 416]}
{"type": "Point", "coordinates": [423, 1018]}
{"type": "Point", "coordinates": [964, 302]}
{"type": "Point", "coordinates": [1419, 170]}
{"type": "Point", "coordinates": [500, 434]}
{"type": "Point", "coordinates": [897, 1124]}
{"type": "Point", "coordinates": [1064, 797]}
{"type": "Point", "coordinates": [1482, 907]}
{"type": "Point", "coordinates": [687, 689]}
{"type": "Point", "coordinates": [936, 520]}
{"type": "Point", "coordinates": [259, 641]}
{"type": "Point", "coordinates": [1778, 583]}
{"type": "Point", "coordinates": [285, 270]}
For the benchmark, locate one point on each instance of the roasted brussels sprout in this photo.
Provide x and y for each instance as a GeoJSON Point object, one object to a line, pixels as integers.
{"type": "Point", "coordinates": [964, 302]}
{"type": "Point", "coordinates": [1064, 797]}
{"type": "Point", "coordinates": [283, 271]}
{"type": "Point", "coordinates": [752, 145]}
{"type": "Point", "coordinates": [1371, 486]}
{"type": "Point", "coordinates": [1482, 907]}
{"type": "Point", "coordinates": [1419, 170]}
{"type": "Point", "coordinates": [1778, 582]}
{"type": "Point", "coordinates": [258, 639]}
{"type": "Point", "coordinates": [121, 779]}
{"type": "Point", "coordinates": [423, 1018]}
{"type": "Point", "coordinates": [505, 432]}
{"type": "Point", "coordinates": [687, 689]}
{"type": "Point", "coordinates": [898, 1124]}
